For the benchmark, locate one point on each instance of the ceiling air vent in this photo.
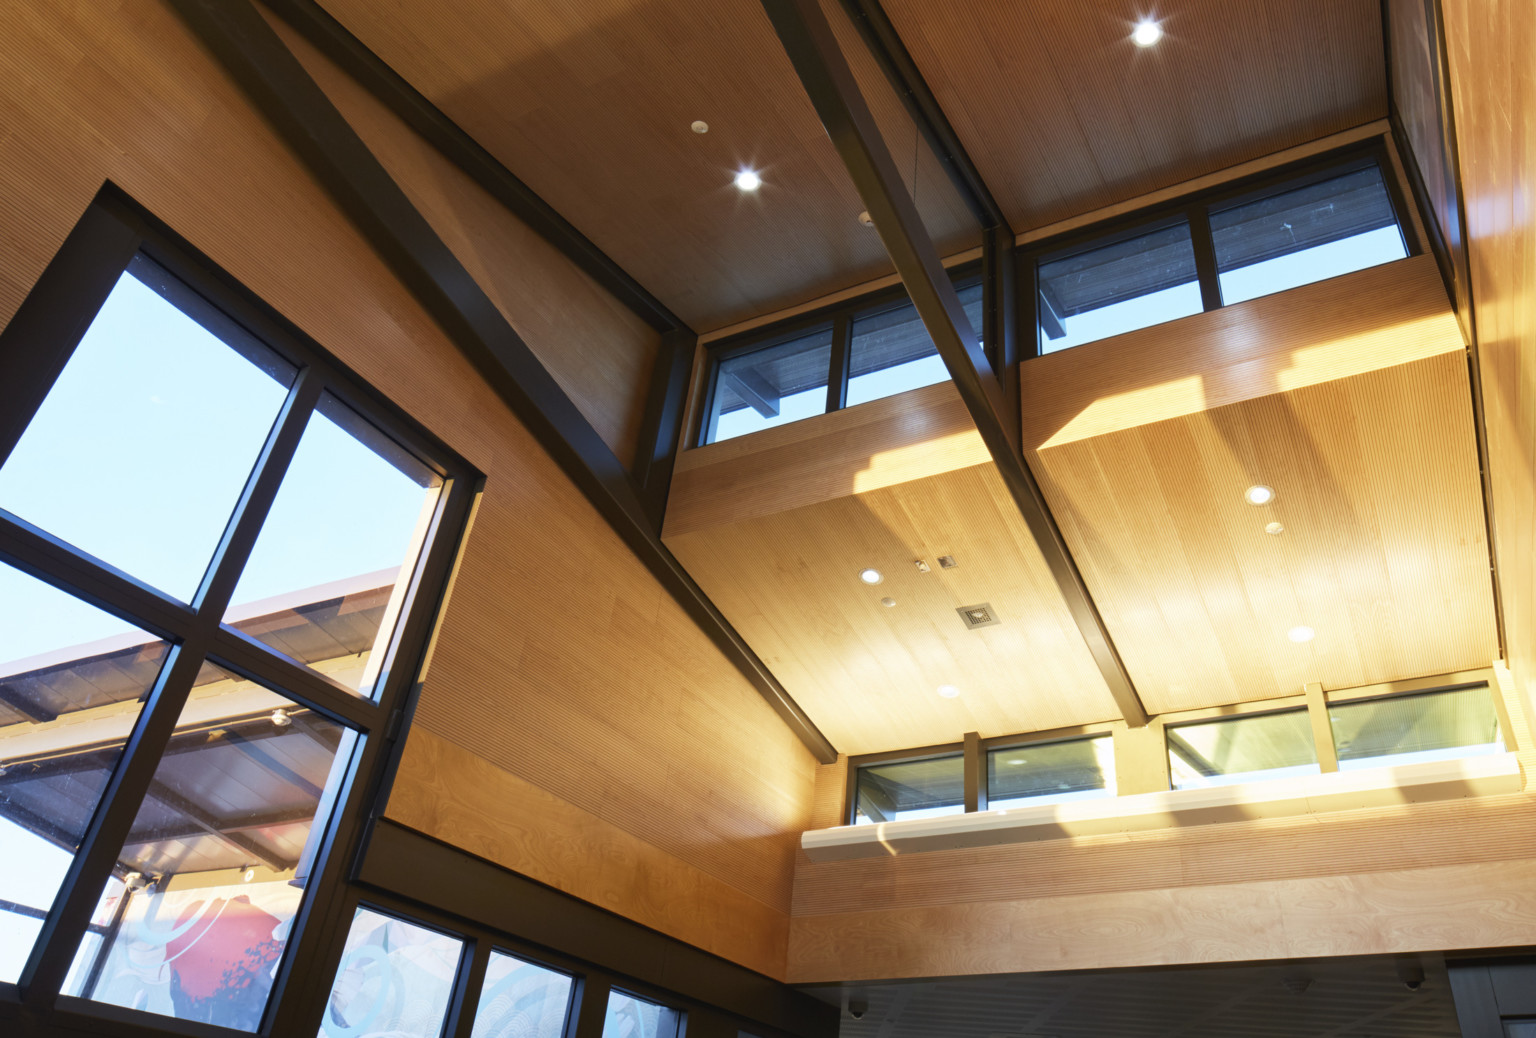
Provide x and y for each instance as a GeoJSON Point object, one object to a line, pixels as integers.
{"type": "Point", "coordinates": [978, 615]}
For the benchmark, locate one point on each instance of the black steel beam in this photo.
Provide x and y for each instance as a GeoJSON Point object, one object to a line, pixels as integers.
{"type": "Point", "coordinates": [885, 45]}
{"type": "Point", "coordinates": [829, 82]}
{"type": "Point", "coordinates": [661, 426]}
{"type": "Point", "coordinates": [299, 109]}
{"type": "Point", "coordinates": [332, 39]}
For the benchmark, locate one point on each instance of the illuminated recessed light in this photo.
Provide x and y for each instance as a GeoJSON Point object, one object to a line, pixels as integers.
{"type": "Point", "coordinates": [1300, 634]}
{"type": "Point", "coordinates": [1258, 494]}
{"type": "Point", "coordinates": [248, 875]}
{"type": "Point", "coordinates": [948, 691]}
{"type": "Point", "coordinates": [748, 180]}
{"type": "Point", "coordinates": [871, 576]}
{"type": "Point", "coordinates": [699, 126]}
{"type": "Point", "coordinates": [866, 219]}
{"type": "Point", "coordinates": [1147, 33]}
{"type": "Point", "coordinates": [1274, 528]}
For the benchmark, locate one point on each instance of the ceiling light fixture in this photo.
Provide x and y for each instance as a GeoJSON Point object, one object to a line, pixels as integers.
{"type": "Point", "coordinates": [889, 603]}
{"type": "Point", "coordinates": [699, 126]}
{"type": "Point", "coordinates": [748, 180]}
{"type": "Point", "coordinates": [1300, 634]}
{"type": "Point", "coordinates": [871, 576]}
{"type": "Point", "coordinates": [280, 718]}
{"type": "Point", "coordinates": [1274, 528]}
{"type": "Point", "coordinates": [1258, 494]}
{"type": "Point", "coordinates": [866, 219]}
{"type": "Point", "coordinates": [948, 691]}
{"type": "Point", "coordinates": [1147, 33]}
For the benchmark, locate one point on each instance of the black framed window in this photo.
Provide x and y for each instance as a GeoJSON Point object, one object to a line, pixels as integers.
{"type": "Point", "coordinates": [396, 977]}
{"type": "Point", "coordinates": [523, 999]}
{"type": "Point", "coordinates": [1305, 233]}
{"type": "Point", "coordinates": [630, 1016]}
{"type": "Point", "coordinates": [1320, 219]}
{"type": "Point", "coordinates": [1106, 289]}
{"type": "Point", "coordinates": [1051, 772]}
{"type": "Point", "coordinates": [872, 347]}
{"type": "Point", "coordinates": [219, 554]}
{"type": "Point", "coordinates": [899, 790]}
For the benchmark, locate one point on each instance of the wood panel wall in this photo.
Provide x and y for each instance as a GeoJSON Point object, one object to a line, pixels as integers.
{"type": "Point", "coordinates": [1490, 43]}
{"type": "Point", "coordinates": [566, 685]}
{"type": "Point", "coordinates": [1413, 877]}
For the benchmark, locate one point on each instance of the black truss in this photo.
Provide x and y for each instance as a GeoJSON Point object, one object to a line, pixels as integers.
{"type": "Point", "coordinates": [301, 111]}
{"type": "Point", "coordinates": [828, 81]}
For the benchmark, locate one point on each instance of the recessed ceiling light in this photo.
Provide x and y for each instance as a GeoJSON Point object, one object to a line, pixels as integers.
{"type": "Point", "coordinates": [1300, 634]}
{"type": "Point", "coordinates": [871, 576]}
{"type": "Point", "coordinates": [948, 691]}
{"type": "Point", "coordinates": [866, 219]}
{"type": "Point", "coordinates": [699, 126]}
{"type": "Point", "coordinates": [748, 180]}
{"type": "Point", "coordinates": [1274, 528]}
{"type": "Point", "coordinates": [1258, 494]}
{"type": "Point", "coordinates": [889, 603]}
{"type": "Point", "coordinates": [1147, 33]}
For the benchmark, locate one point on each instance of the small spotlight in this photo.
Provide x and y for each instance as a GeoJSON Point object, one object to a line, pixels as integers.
{"type": "Point", "coordinates": [280, 718]}
{"type": "Point", "coordinates": [889, 603]}
{"type": "Point", "coordinates": [948, 691]}
{"type": "Point", "coordinates": [699, 126]}
{"type": "Point", "coordinates": [871, 576]}
{"type": "Point", "coordinates": [1258, 494]}
{"type": "Point", "coordinates": [1274, 529]}
{"type": "Point", "coordinates": [1146, 33]}
{"type": "Point", "coordinates": [248, 875]}
{"type": "Point", "coordinates": [748, 180]}
{"type": "Point", "coordinates": [1300, 634]}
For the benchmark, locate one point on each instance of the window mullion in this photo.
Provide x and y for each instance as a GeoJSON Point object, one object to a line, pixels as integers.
{"type": "Point", "coordinates": [39, 340]}
{"type": "Point", "coordinates": [1205, 256]}
{"type": "Point", "coordinates": [91, 868]}
{"type": "Point", "coordinates": [467, 986]}
{"type": "Point", "coordinates": [256, 501]}
{"type": "Point", "coordinates": [1322, 728]}
{"type": "Point", "coordinates": [837, 373]}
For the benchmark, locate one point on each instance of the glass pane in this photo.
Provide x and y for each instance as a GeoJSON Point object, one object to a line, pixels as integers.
{"type": "Point", "coordinates": [1520, 1029]}
{"type": "Point", "coordinates": [157, 423]}
{"type": "Point", "coordinates": [70, 681]}
{"type": "Point", "coordinates": [326, 580]}
{"type": "Point", "coordinates": [1118, 288]}
{"type": "Point", "coordinates": [911, 789]}
{"type": "Point", "coordinates": [772, 386]}
{"type": "Point", "coordinates": [521, 1000]}
{"type": "Point", "coordinates": [630, 1017]}
{"type": "Point", "coordinates": [1051, 773]}
{"type": "Point", "coordinates": [891, 351]}
{"type": "Point", "coordinates": [395, 980]}
{"type": "Point", "coordinates": [1410, 729]}
{"type": "Point", "coordinates": [215, 864]}
{"type": "Point", "coordinates": [1305, 235]}
{"type": "Point", "coordinates": [1242, 749]}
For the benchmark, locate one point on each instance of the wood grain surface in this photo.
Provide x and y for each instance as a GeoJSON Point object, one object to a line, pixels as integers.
{"type": "Point", "coordinates": [1062, 113]}
{"type": "Point", "coordinates": [868, 674]}
{"type": "Point", "coordinates": [1382, 554]}
{"type": "Point", "coordinates": [1490, 44]}
{"type": "Point", "coordinates": [559, 661]}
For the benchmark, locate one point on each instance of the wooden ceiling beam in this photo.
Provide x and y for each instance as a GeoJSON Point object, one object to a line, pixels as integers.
{"type": "Point", "coordinates": [829, 82]}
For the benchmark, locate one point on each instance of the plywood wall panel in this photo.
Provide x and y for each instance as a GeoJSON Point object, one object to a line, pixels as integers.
{"type": "Point", "coordinates": [1494, 93]}
{"type": "Point", "coordinates": [549, 603]}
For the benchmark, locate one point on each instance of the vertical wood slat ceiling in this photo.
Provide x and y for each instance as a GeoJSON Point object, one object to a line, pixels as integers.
{"type": "Point", "coordinates": [590, 104]}
{"type": "Point", "coordinates": [1062, 114]}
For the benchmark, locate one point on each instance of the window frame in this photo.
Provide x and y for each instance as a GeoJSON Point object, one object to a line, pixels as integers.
{"type": "Point", "coordinates": [1500, 708]}
{"type": "Point", "coordinates": [1196, 207]}
{"type": "Point", "coordinates": [987, 747]}
{"type": "Point", "coordinates": [837, 317]}
{"type": "Point", "coordinates": [912, 756]}
{"type": "Point", "coordinates": [52, 319]}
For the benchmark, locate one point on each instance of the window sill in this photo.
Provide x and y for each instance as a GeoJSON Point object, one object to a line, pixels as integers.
{"type": "Point", "coordinates": [1143, 812]}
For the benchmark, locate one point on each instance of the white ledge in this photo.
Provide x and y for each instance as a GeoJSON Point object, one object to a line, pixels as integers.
{"type": "Point", "coordinates": [1141, 812]}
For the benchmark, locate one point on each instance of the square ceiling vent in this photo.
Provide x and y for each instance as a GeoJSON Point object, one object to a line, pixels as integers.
{"type": "Point", "coordinates": [978, 616]}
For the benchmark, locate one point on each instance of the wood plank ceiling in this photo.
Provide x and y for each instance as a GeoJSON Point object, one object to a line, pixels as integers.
{"type": "Point", "coordinates": [591, 103]}
{"type": "Point", "coordinates": [1062, 114]}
